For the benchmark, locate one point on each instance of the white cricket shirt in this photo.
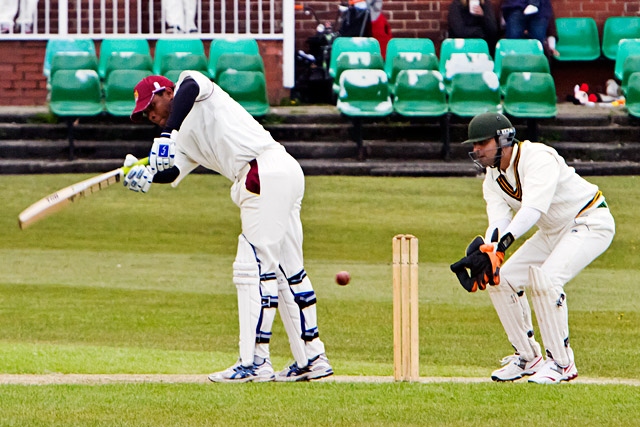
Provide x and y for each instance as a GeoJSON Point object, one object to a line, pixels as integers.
{"type": "Point", "coordinates": [537, 177]}
{"type": "Point", "coordinates": [218, 133]}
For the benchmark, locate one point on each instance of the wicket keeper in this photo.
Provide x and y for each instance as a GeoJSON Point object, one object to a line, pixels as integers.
{"type": "Point", "coordinates": [527, 184]}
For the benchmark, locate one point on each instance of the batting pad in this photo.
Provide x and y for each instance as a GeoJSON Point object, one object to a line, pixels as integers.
{"type": "Point", "coordinates": [246, 277]}
{"type": "Point", "coordinates": [269, 304]}
{"type": "Point", "coordinates": [515, 315]}
{"type": "Point", "coordinates": [290, 315]}
{"type": "Point", "coordinates": [550, 305]}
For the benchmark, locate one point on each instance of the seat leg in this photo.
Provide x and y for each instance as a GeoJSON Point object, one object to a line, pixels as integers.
{"type": "Point", "coordinates": [70, 125]}
{"type": "Point", "coordinates": [445, 152]}
{"type": "Point", "coordinates": [532, 129]}
{"type": "Point", "coordinates": [357, 136]}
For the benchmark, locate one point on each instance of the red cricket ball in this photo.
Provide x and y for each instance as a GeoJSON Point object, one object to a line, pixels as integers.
{"type": "Point", "coordinates": [343, 278]}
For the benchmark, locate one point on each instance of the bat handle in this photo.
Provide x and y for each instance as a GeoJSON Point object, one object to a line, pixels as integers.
{"type": "Point", "coordinates": [126, 169]}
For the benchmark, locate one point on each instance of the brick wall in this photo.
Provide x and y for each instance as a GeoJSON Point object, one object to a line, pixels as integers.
{"type": "Point", "coordinates": [22, 82]}
{"type": "Point", "coordinates": [21, 79]}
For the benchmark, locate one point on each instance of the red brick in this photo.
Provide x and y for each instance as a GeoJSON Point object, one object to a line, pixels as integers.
{"type": "Point", "coordinates": [26, 84]}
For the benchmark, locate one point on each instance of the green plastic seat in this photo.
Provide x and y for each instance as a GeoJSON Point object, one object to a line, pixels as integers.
{"type": "Point", "coordinates": [631, 65]}
{"type": "Point", "coordinates": [506, 47]}
{"type": "Point", "coordinates": [364, 93]}
{"type": "Point", "coordinates": [474, 93]}
{"type": "Point", "coordinates": [180, 61]}
{"type": "Point", "coordinates": [633, 95]}
{"type": "Point", "coordinates": [455, 45]}
{"type": "Point", "coordinates": [65, 45]}
{"type": "Point", "coordinates": [76, 93]}
{"type": "Point", "coordinates": [351, 44]}
{"type": "Point", "coordinates": [530, 95]}
{"type": "Point", "coordinates": [617, 28]}
{"type": "Point", "coordinates": [221, 46]}
{"type": "Point", "coordinates": [118, 91]}
{"type": "Point", "coordinates": [399, 45]}
{"type": "Point", "coordinates": [578, 39]}
{"type": "Point", "coordinates": [127, 61]}
{"type": "Point", "coordinates": [626, 47]}
{"type": "Point", "coordinates": [248, 88]}
{"type": "Point", "coordinates": [521, 63]}
{"type": "Point", "coordinates": [112, 46]}
{"type": "Point", "coordinates": [411, 61]}
{"type": "Point", "coordinates": [356, 61]}
{"type": "Point", "coordinates": [420, 93]}
{"type": "Point", "coordinates": [239, 62]}
{"type": "Point", "coordinates": [73, 61]}
{"type": "Point", "coordinates": [172, 46]}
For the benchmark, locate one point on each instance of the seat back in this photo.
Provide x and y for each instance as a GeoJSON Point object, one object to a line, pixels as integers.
{"type": "Point", "coordinates": [506, 47]}
{"type": "Point", "coordinates": [73, 61]}
{"type": "Point", "coordinates": [169, 46]}
{"type": "Point", "coordinates": [530, 95]}
{"type": "Point", "coordinates": [520, 63]}
{"type": "Point", "coordinates": [111, 46]}
{"type": "Point", "coordinates": [76, 93]}
{"type": "Point", "coordinates": [127, 61]}
{"type": "Point", "coordinates": [65, 45]}
{"type": "Point", "coordinates": [456, 45]}
{"type": "Point", "coordinates": [474, 93]}
{"type": "Point", "coordinates": [399, 45]}
{"type": "Point", "coordinates": [351, 44]}
{"type": "Point", "coordinates": [411, 61]}
{"type": "Point", "coordinates": [239, 62]}
{"type": "Point", "coordinates": [633, 95]}
{"type": "Point", "coordinates": [356, 61]}
{"type": "Point", "coordinates": [221, 46]}
{"type": "Point", "coordinates": [248, 88]}
{"type": "Point", "coordinates": [617, 28]}
{"type": "Point", "coordinates": [631, 65]}
{"type": "Point", "coordinates": [420, 93]}
{"type": "Point", "coordinates": [118, 90]}
{"type": "Point", "coordinates": [626, 47]}
{"type": "Point", "coordinates": [578, 39]}
{"type": "Point", "coordinates": [180, 61]}
{"type": "Point", "coordinates": [364, 93]}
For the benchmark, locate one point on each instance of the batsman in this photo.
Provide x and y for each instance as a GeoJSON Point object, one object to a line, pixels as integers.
{"type": "Point", "coordinates": [203, 125]}
{"type": "Point", "coordinates": [529, 184]}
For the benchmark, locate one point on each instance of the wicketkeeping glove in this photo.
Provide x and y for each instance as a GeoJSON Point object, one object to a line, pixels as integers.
{"type": "Point", "coordinates": [495, 251]}
{"type": "Point", "coordinates": [163, 153]}
{"type": "Point", "coordinates": [474, 270]}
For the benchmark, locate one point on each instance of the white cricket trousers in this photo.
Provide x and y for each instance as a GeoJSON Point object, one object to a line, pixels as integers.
{"type": "Point", "coordinates": [9, 8]}
{"type": "Point", "coordinates": [563, 255]}
{"type": "Point", "coordinates": [180, 13]}
{"type": "Point", "coordinates": [271, 220]}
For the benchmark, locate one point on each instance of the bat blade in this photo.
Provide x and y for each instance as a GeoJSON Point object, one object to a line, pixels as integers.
{"type": "Point", "coordinates": [71, 194]}
{"type": "Point", "coordinates": [65, 196]}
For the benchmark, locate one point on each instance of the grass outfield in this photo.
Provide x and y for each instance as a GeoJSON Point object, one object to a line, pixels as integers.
{"type": "Point", "coordinates": [140, 284]}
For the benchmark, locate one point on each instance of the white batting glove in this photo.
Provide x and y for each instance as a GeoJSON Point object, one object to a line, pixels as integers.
{"type": "Point", "coordinates": [530, 10]}
{"type": "Point", "coordinates": [139, 178]}
{"type": "Point", "coordinates": [163, 153]}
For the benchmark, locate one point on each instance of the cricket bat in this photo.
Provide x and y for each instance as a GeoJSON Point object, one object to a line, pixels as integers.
{"type": "Point", "coordinates": [65, 196]}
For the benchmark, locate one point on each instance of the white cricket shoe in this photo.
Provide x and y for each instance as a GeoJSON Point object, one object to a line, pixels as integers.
{"type": "Point", "coordinates": [552, 373]}
{"type": "Point", "coordinates": [515, 368]}
{"type": "Point", "coordinates": [237, 373]}
{"type": "Point", "coordinates": [316, 368]}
